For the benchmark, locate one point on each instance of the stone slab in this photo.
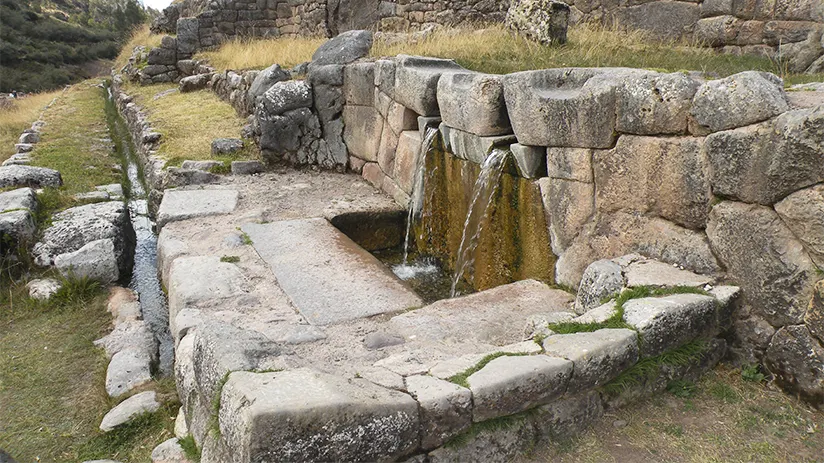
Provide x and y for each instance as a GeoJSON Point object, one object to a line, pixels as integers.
{"type": "Point", "coordinates": [21, 198]}
{"type": "Point", "coordinates": [598, 356]}
{"type": "Point", "coordinates": [328, 277]}
{"type": "Point", "coordinates": [651, 272]}
{"type": "Point", "coordinates": [495, 316]}
{"type": "Point", "coordinates": [446, 409]}
{"type": "Point", "coordinates": [145, 402]}
{"type": "Point", "coordinates": [665, 323]}
{"type": "Point", "coordinates": [310, 416]}
{"type": "Point", "coordinates": [187, 204]}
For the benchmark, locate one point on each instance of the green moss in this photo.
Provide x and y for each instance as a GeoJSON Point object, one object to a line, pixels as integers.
{"type": "Point", "coordinates": [230, 259]}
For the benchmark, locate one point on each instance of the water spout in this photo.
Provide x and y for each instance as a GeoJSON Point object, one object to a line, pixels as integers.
{"type": "Point", "coordinates": [482, 194]}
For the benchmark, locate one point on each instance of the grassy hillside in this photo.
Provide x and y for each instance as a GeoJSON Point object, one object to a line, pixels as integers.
{"type": "Point", "coordinates": [47, 44]}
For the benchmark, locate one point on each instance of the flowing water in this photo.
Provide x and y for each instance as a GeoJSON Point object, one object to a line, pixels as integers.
{"type": "Point", "coordinates": [418, 188]}
{"type": "Point", "coordinates": [482, 194]}
{"type": "Point", "coordinates": [144, 274]}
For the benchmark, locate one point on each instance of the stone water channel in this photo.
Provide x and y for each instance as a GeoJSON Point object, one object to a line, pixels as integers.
{"type": "Point", "coordinates": [144, 278]}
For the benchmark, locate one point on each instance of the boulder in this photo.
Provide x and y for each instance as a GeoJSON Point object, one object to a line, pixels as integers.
{"type": "Point", "coordinates": [285, 96]}
{"type": "Point", "coordinates": [307, 415]}
{"type": "Point", "coordinates": [765, 259]}
{"type": "Point", "coordinates": [803, 213]}
{"type": "Point", "coordinates": [544, 21]}
{"type": "Point", "coordinates": [29, 176]}
{"type": "Point", "coordinates": [129, 409]}
{"type": "Point", "coordinates": [602, 279]}
{"type": "Point", "coordinates": [78, 226]}
{"type": "Point", "coordinates": [42, 289]}
{"type": "Point", "coordinates": [473, 102]}
{"type": "Point", "coordinates": [736, 101]}
{"type": "Point", "coordinates": [188, 37]}
{"type": "Point", "coordinates": [194, 83]}
{"type": "Point", "coordinates": [96, 260]}
{"type": "Point", "coordinates": [226, 146]}
{"type": "Point", "coordinates": [797, 360]}
{"type": "Point", "coordinates": [265, 80]}
{"type": "Point", "coordinates": [764, 163]}
{"type": "Point", "coordinates": [665, 177]}
{"type": "Point", "coordinates": [416, 82]}
{"type": "Point", "coordinates": [344, 48]}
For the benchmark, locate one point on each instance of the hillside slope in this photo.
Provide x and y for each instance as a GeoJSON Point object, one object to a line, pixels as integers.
{"type": "Point", "coordinates": [46, 44]}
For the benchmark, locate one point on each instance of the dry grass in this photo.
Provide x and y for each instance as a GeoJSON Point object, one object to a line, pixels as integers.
{"type": "Point", "coordinates": [262, 53]}
{"type": "Point", "coordinates": [495, 50]}
{"type": "Point", "coordinates": [725, 419]}
{"type": "Point", "coordinates": [188, 122]}
{"type": "Point", "coordinates": [140, 36]}
{"type": "Point", "coordinates": [18, 116]}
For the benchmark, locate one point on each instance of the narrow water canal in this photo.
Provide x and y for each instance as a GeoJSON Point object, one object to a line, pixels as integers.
{"type": "Point", "coordinates": [144, 279]}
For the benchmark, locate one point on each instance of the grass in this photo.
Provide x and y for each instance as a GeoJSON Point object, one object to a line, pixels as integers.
{"type": "Point", "coordinates": [494, 50]}
{"type": "Point", "coordinates": [52, 381]}
{"type": "Point", "coordinates": [230, 259]}
{"type": "Point", "coordinates": [724, 419]}
{"type": "Point", "coordinates": [188, 122]}
{"type": "Point", "coordinates": [19, 116]}
{"type": "Point", "coordinates": [648, 368]}
{"type": "Point", "coordinates": [262, 53]}
{"type": "Point", "coordinates": [140, 36]}
{"type": "Point", "coordinates": [189, 447]}
{"type": "Point", "coordinates": [75, 140]}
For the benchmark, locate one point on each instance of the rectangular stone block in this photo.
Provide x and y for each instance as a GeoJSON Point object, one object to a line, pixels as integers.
{"type": "Point", "coordinates": [362, 131]}
{"type": "Point", "coordinates": [509, 385]}
{"type": "Point", "coordinates": [187, 204]}
{"type": "Point", "coordinates": [406, 159]}
{"type": "Point", "coordinates": [416, 82]}
{"type": "Point", "coordinates": [471, 147]}
{"type": "Point", "coordinates": [598, 357]}
{"type": "Point", "coordinates": [474, 103]}
{"type": "Point", "coordinates": [446, 409]}
{"type": "Point", "coordinates": [665, 323]}
{"type": "Point", "coordinates": [304, 415]}
{"type": "Point", "coordinates": [358, 84]}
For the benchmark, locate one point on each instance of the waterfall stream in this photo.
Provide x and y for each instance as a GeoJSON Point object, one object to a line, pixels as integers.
{"type": "Point", "coordinates": [482, 194]}
{"type": "Point", "coordinates": [144, 279]}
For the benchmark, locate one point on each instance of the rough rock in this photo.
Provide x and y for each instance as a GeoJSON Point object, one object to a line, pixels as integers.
{"type": "Point", "coordinates": [169, 451]}
{"type": "Point", "coordinates": [797, 360]}
{"type": "Point", "coordinates": [446, 409]}
{"type": "Point", "coordinates": [29, 176]}
{"type": "Point", "coordinates": [599, 314]}
{"type": "Point", "coordinates": [223, 146]}
{"type": "Point", "coordinates": [667, 322]}
{"type": "Point", "coordinates": [247, 167]}
{"type": "Point", "coordinates": [130, 368]}
{"type": "Point", "coordinates": [178, 177]}
{"type": "Point", "coordinates": [649, 272]}
{"type": "Point", "coordinates": [294, 136]}
{"type": "Point", "coordinates": [416, 82]}
{"type": "Point", "coordinates": [265, 80]}
{"type": "Point", "coordinates": [359, 84]}
{"type": "Point", "coordinates": [362, 131]}
{"type": "Point", "coordinates": [512, 384]}
{"type": "Point", "coordinates": [29, 137]}
{"type": "Point", "coordinates": [598, 357]}
{"type": "Point", "coordinates": [194, 83]}
{"type": "Point", "coordinates": [16, 227]}
{"type": "Point", "coordinates": [473, 102]}
{"type": "Point", "coordinates": [602, 279]}
{"type": "Point", "coordinates": [188, 39]}
{"type": "Point", "coordinates": [134, 406]}
{"type": "Point", "coordinates": [736, 101]}
{"type": "Point", "coordinates": [530, 161]}
{"type": "Point", "coordinates": [666, 177]}
{"type": "Point", "coordinates": [544, 21]}
{"type": "Point", "coordinates": [135, 334]}
{"type": "Point", "coordinates": [205, 166]}
{"type": "Point", "coordinates": [42, 289]}
{"type": "Point", "coordinates": [181, 429]}
{"type": "Point", "coordinates": [803, 213]}
{"type": "Point", "coordinates": [187, 204]}
{"type": "Point", "coordinates": [664, 20]}
{"type": "Point", "coordinates": [303, 414]}
{"type": "Point", "coordinates": [381, 339]}
{"type": "Point", "coordinates": [78, 226]}
{"type": "Point", "coordinates": [763, 257]}
{"type": "Point", "coordinates": [96, 260]}
{"type": "Point", "coordinates": [285, 96]}
{"type": "Point", "coordinates": [655, 104]}
{"type": "Point", "coordinates": [343, 49]}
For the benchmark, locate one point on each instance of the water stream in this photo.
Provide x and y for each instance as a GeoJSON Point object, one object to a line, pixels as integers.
{"type": "Point", "coordinates": [418, 188]}
{"type": "Point", "coordinates": [144, 279]}
{"type": "Point", "coordinates": [482, 194]}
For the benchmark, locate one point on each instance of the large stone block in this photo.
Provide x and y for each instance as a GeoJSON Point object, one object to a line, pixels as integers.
{"type": "Point", "coordinates": [512, 384]}
{"type": "Point", "coordinates": [797, 360]}
{"type": "Point", "coordinates": [188, 37]}
{"type": "Point", "coordinates": [598, 357]}
{"type": "Point", "coordinates": [303, 415]}
{"type": "Point", "coordinates": [416, 82]}
{"type": "Point", "coordinates": [665, 323]}
{"type": "Point", "coordinates": [96, 260]}
{"type": "Point", "coordinates": [29, 176]}
{"type": "Point", "coordinates": [561, 107]}
{"type": "Point", "coordinates": [446, 409]}
{"type": "Point", "coordinates": [359, 84]}
{"type": "Point", "coordinates": [569, 205]}
{"type": "Point", "coordinates": [187, 204]}
{"type": "Point", "coordinates": [738, 100]}
{"type": "Point", "coordinates": [285, 96]}
{"type": "Point", "coordinates": [362, 131]}
{"type": "Point", "coordinates": [765, 259]}
{"type": "Point", "coordinates": [803, 213]}
{"type": "Point", "coordinates": [474, 103]}
{"type": "Point", "coordinates": [471, 147]}
{"type": "Point", "coordinates": [406, 159]}
{"type": "Point", "coordinates": [666, 177]}
{"type": "Point", "coordinates": [655, 104]}
{"type": "Point", "coordinates": [544, 21]}
{"type": "Point", "coordinates": [717, 31]}
{"type": "Point", "coordinates": [666, 20]}
{"type": "Point", "coordinates": [344, 48]}
{"type": "Point", "coordinates": [128, 369]}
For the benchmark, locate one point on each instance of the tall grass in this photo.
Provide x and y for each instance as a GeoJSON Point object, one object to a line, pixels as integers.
{"type": "Point", "coordinates": [496, 50]}
{"type": "Point", "coordinates": [140, 36]}
{"type": "Point", "coordinates": [262, 53]}
{"type": "Point", "coordinates": [19, 115]}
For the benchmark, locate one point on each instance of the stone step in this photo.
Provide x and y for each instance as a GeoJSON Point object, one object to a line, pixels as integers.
{"type": "Point", "coordinates": [329, 278]}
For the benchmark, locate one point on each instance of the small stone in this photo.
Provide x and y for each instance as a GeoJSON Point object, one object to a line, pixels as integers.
{"type": "Point", "coordinates": [380, 339]}
{"type": "Point", "coordinates": [205, 166]}
{"type": "Point", "coordinates": [169, 451]}
{"type": "Point", "coordinates": [602, 279]}
{"type": "Point", "coordinates": [43, 289]}
{"type": "Point", "coordinates": [247, 167]}
{"type": "Point", "coordinates": [92, 196]}
{"type": "Point", "coordinates": [222, 146]}
{"type": "Point", "coordinates": [619, 423]}
{"type": "Point", "coordinates": [138, 404]}
{"type": "Point", "coordinates": [129, 368]}
{"type": "Point", "coordinates": [181, 429]}
{"type": "Point", "coordinates": [95, 260]}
